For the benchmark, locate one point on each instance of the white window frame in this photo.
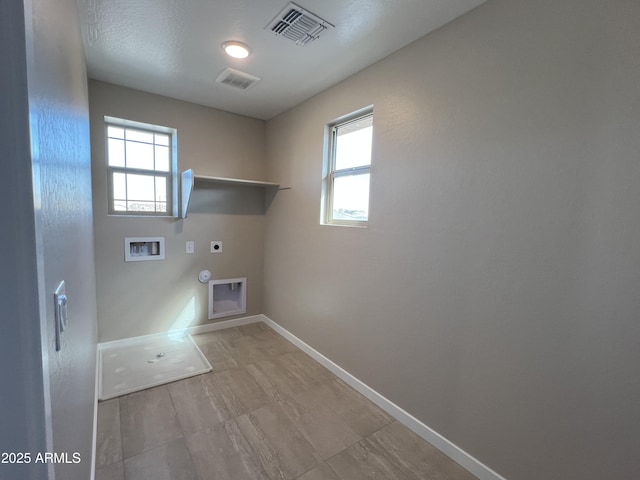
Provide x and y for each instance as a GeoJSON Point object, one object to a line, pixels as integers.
{"type": "Point", "coordinates": [331, 173]}
{"type": "Point", "coordinates": [171, 175]}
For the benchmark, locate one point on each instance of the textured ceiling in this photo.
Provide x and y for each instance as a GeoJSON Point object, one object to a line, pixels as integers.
{"type": "Point", "coordinates": [173, 47]}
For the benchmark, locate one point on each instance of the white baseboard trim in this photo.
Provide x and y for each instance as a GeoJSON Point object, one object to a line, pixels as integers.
{"type": "Point", "coordinates": [236, 322]}
{"type": "Point", "coordinates": [95, 417]}
{"type": "Point", "coordinates": [451, 450]}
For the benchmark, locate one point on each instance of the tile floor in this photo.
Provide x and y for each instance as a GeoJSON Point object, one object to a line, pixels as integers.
{"type": "Point", "coordinates": [266, 412]}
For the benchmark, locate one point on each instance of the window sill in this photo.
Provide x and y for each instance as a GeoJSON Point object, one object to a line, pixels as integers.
{"type": "Point", "coordinates": [348, 225]}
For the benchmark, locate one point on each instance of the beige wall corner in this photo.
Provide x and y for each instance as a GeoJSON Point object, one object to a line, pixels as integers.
{"type": "Point", "coordinates": [138, 298]}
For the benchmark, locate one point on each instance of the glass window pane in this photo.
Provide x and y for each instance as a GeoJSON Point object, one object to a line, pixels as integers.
{"type": "Point", "coordinates": [353, 144]}
{"type": "Point", "coordinates": [161, 189]}
{"type": "Point", "coordinates": [140, 187]}
{"type": "Point", "coordinates": [139, 136]}
{"type": "Point", "coordinates": [139, 206]}
{"type": "Point", "coordinates": [144, 166]}
{"type": "Point", "coordinates": [120, 205]}
{"type": "Point", "coordinates": [115, 152]}
{"type": "Point", "coordinates": [162, 139]}
{"type": "Point", "coordinates": [162, 159]}
{"type": "Point", "coordinates": [351, 198]}
{"type": "Point", "coordinates": [139, 155]}
{"type": "Point", "coordinates": [119, 186]}
{"type": "Point", "coordinates": [115, 132]}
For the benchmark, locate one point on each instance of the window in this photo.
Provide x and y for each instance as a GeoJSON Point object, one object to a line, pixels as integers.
{"type": "Point", "coordinates": [348, 168]}
{"type": "Point", "coordinates": [141, 168]}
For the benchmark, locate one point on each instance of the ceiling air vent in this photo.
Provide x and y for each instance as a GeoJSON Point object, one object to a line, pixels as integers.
{"type": "Point", "coordinates": [298, 25]}
{"type": "Point", "coordinates": [237, 79]}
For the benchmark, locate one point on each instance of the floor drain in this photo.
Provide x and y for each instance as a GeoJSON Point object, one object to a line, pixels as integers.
{"type": "Point", "coordinates": [158, 357]}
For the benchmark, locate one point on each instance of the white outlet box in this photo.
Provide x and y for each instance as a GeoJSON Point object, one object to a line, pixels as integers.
{"type": "Point", "coordinates": [216, 247]}
{"type": "Point", "coordinates": [190, 246]}
{"type": "Point", "coordinates": [227, 297]}
{"type": "Point", "coordinates": [137, 249]}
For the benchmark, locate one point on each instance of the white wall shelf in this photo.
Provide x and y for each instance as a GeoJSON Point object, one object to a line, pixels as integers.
{"type": "Point", "coordinates": [191, 181]}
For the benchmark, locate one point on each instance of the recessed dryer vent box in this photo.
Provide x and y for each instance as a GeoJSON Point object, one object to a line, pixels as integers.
{"type": "Point", "coordinates": [137, 249]}
{"type": "Point", "coordinates": [227, 297]}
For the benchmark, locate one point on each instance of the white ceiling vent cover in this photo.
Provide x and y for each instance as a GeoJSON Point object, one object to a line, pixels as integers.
{"type": "Point", "coordinates": [237, 79]}
{"type": "Point", "coordinates": [298, 25]}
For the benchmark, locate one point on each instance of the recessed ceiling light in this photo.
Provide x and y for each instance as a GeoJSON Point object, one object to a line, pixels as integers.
{"type": "Point", "coordinates": [236, 49]}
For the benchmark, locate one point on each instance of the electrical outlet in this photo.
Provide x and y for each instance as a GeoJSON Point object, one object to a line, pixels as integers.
{"type": "Point", "coordinates": [190, 246]}
{"type": "Point", "coordinates": [216, 247]}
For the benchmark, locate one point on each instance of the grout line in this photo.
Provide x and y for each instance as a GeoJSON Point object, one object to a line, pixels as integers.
{"type": "Point", "coordinates": [141, 392]}
{"type": "Point", "coordinates": [182, 431]}
{"type": "Point", "coordinates": [362, 439]}
{"type": "Point", "coordinates": [333, 470]}
{"type": "Point", "coordinates": [255, 456]}
{"type": "Point", "coordinates": [124, 472]}
{"type": "Point", "coordinates": [175, 410]}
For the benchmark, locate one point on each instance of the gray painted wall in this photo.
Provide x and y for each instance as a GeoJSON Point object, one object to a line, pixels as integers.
{"type": "Point", "coordinates": [138, 298]}
{"type": "Point", "coordinates": [494, 294]}
{"type": "Point", "coordinates": [23, 399]}
{"type": "Point", "coordinates": [49, 233]}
